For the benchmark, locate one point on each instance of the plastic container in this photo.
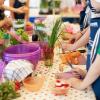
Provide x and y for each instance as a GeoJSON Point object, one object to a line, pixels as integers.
{"type": "Point", "coordinates": [31, 19]}
{"type": "Point", "coordinates": [30, 51]}
{"type": "Point", "coordinates": [33, 84]}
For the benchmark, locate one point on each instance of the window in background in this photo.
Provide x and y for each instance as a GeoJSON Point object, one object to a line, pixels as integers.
{"type": "Point", "coordinates": [34, 3]}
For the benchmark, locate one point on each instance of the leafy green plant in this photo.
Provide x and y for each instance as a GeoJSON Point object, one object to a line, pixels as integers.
{"type": "Point", "coordinates": [57, 3]}
{"type": "Point", "coordinates": [20, 21]}
{"type": "Point", "coordinates": [22, 33]}
{"type": "Point", "coordinates": [54, 34]}
{"type": "Point", "coordinates": [7, 91]}
{"type": "Point", "coordinates": [2, 32]}
{"type": "Point", "coordinates": [44, 4]}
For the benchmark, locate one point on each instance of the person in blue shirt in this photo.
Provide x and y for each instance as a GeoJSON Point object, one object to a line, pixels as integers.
{"type": "Point", "coordinates": [92, 76]}
{"type": "Point", "coordinates": [84, 22]}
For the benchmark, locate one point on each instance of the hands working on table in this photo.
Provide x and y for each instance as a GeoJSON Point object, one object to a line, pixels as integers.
{"type": "Point", "coordinates": [74, 77]}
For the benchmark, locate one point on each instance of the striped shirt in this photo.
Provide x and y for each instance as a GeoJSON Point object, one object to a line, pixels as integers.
{"type": "Point", "coordinates": [95, 13]}
{"type": "Point", "coordinates": [94, 39]}
{"type": "Point", "coordinates": [98, 51]}
{"type": "Point", "coordinates": [85, 17]}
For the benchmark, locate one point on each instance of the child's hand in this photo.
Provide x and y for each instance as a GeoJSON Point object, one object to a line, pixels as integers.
{"type": "Point", "coordinates": [75, 83]}
{"type": "Point", "coordinates": [7, 23]}
{"type": "Point", "coordinates": [19, 10]}
{"type": "Point", "coordinates": [25, 9]}
{"type": "Point", "coordinates": [78, 71]}
{"type": "Point", "coordinates": [67, 47]}
{"type": "Point", "coordinates": [1, 41]}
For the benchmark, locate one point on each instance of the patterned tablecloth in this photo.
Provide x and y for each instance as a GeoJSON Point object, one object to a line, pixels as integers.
{"type": "Point", "coordinates": [46, 94]}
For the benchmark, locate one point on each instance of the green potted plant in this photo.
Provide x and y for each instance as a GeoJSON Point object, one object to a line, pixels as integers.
{"type": "Point", "coordinates": [54, 6]}
{"type": "Point", "coordinates": [51, 40]}
{"type": "Point", "coordinates": [57, 6]}
{"type": "Point", "coordinates": [44, 6]}
{"type": "Point", "coordinates": [18, 24]}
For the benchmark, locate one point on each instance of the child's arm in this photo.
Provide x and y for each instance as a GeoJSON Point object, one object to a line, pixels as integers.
{"type": "Point", "coordinates": [19, 10]}
{"type": "Point", "coordinates": [79, 43]}
{"type": "Point", "coordinates": [27, 10]}
{"type": "Point", "coordinates": [2, 23]}
{"type": "Point", "coordinates": [92, 75]}
{"type": "Point", "coordinates": [11, 3]}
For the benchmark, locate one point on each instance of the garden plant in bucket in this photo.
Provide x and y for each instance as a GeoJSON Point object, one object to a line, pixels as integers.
{"type": "Point", "coordinates": [19, 24]}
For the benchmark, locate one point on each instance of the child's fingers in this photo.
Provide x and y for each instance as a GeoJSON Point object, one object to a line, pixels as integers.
{"type": "Point", "coordinates": [77, 75]}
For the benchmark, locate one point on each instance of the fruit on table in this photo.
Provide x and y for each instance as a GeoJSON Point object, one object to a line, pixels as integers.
{"type": "Point", "coordinates": [61, 87]}
{"type": "Point", "coordinates": [17, 85]}
{"type": "Point", "coordinates": [66, 36]}
{"type": "Point", "coordinates": [71, 57]}
{"type": "Point", "coordinates": [29, 24]}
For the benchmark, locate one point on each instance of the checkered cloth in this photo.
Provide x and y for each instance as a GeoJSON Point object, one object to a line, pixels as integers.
{"type": "Point", "coordinates": [17, 70]}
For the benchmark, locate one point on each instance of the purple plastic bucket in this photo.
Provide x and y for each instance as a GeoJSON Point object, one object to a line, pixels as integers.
{"type": "Point", "coordinates": [29, 52]}
{"type": "Point", "coordinates": [2, 65]}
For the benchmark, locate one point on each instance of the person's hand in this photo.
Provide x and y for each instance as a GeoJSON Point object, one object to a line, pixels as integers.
{"type": "Point", "coordinates": [25, 9]}
{"type": "Point", "coordinates": [67, 47]}
{"type": "Point", "coordinates": [19, 10]}
{"type": "Point", "coordinates": [79, 72]}
{"type": "Point", "coordinates": [7, 23]}
{"type": "Point", "coordinates": [75, 83]}
{"type": "Point", "coordinates": [74, 37]}
{"type": "Point", "coordinates": [1, 42]}
{"type": "Point", "coordinates": [72, 81]}
{"type": "Point", "coordinates": [67, 75]}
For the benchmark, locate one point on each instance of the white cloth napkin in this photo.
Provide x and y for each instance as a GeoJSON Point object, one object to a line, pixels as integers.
{"type": "Point", "coordinates": [18, 70]}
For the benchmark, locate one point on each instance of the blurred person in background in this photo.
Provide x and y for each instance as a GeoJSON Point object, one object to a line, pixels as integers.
{"type": "Point", "coordinates": [66, 4]}
{"type": "Point", "coordinates": [25, 8]}
{"type": "Point", "coordinates": [5, 22]}
{"type": "Point", "coordinates": [3, 19]}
